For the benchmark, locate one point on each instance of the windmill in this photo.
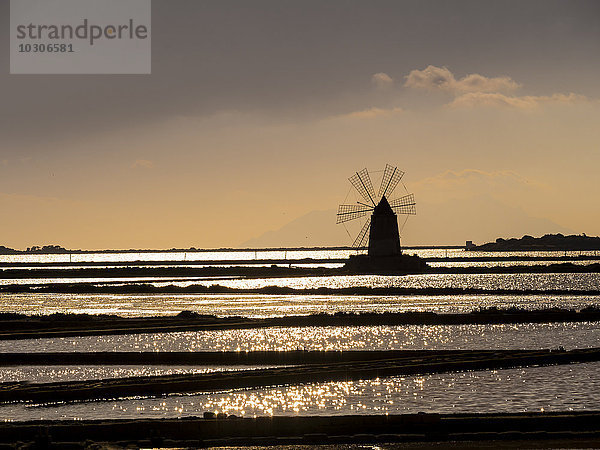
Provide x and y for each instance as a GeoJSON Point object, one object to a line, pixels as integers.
{"type": "Point", "coordinates": [381, 226]}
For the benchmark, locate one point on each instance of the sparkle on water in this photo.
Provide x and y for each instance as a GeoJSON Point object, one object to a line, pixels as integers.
{"type": "Point", "coordinates": [49, 374]}
{"type": "Point", "coordinates": [258, 305]}
{"type": "Point", "coordinates": [240, 255]}
{"type": "Point", "coordinates": [509, 390]}
{"type": "Point", "coordinates": [492, 281]}
{"type": "Point", "coordinates": [514, 336]}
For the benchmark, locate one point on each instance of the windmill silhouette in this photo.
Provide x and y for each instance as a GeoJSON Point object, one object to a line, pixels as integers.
{"type": "Point", "coordinates": [381, 226]}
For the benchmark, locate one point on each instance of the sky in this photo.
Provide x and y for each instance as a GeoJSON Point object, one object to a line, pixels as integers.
{"type": "Point", "coordinates": [257, 112]}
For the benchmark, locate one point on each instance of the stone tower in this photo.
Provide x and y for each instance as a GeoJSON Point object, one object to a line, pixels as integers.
{"type": "Point", "coordinates": [384, 239]}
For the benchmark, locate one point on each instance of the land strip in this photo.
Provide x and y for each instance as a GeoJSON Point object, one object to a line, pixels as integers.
{"type": "Point", "coordinates": [566, 429]}
{"type": "Point", "coordinates": [125, 287]}
{"type": "Point", "coordinates": [17, 326]}
{"type": "Point", "coordinates": [232, 358]}
{"type": "Point", "coordinates": [130, 270]}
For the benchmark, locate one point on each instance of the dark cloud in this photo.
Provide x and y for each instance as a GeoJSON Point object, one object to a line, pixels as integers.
{"type": "Point", "coordinates": [295, 57]}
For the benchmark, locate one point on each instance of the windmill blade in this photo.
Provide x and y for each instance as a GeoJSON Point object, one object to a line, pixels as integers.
{"type": "Point", "coordinates": [391, 177]}
{"type": "Point", "coordinates": [350, 212]}
{"type": "Point", "coordinates": [362, 183]}
{"type": "Point", "coordinates": [363, 236]}
{"type": "Point", "coordinates": [404, 205]}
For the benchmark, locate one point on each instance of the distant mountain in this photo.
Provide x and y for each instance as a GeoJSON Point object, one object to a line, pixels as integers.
{"type": "Point", "coordinates": [548, 242]}
{"type": "Point", "coordinates": [479, 219]}
{"type": "Point", "coordinates": [317, 228]}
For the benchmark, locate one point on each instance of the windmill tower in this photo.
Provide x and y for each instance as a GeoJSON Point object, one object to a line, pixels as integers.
{"type": "Point", "coordinates": [381, 226]}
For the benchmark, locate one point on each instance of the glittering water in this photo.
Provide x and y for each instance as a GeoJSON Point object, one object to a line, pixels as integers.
{"type": "Point", "coordinates": [518, 281]}
{"type": "Point", "coordinates": [513, 336]}
{"type": "Point", "coordinates": [49, 374]}
{"type": "Point", "coordinates": [255, 305]}
{"type": "Point", "coordinates": [582, 262]}
{"type": "Point", "coordinates": [509, 390]}
{"type": "Point", "coordinates": [551, 388]}
{"type": "Point", "coordinates": [236, 255]}
{"type": "Point", "coordinates": [269, 254]}
{"type": "Point", "coordinates": [107, 280]}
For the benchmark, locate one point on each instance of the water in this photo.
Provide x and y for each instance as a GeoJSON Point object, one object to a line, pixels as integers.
{"type": "Point", "coordinates": [108, 280]}
{"type": "Point", "coordinates": [435, 337]}
{"type": "Point", "coordinates": [221, 255]}
{"type": "Point", "coordinates": [50, 374]}
{"type": "Point", "coordinates": [217, 255]}
{"type": "Point", "coordinates": [261, 306]}
{"type": "Point", "coordinates": [509, 390]}
{"type": "Point", "coordinates": [572, 387]}
{"type": "Point", "coordinates": [520, 281]}
{"type": "Point", "coordinates": [492, 281]}
{"type": "Point", "coordinates": [510, 263]}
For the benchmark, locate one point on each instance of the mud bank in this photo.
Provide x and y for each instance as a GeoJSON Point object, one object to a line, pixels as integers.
{"type": "Point", "coordinates": [124, 287]}
{"type": "Point", "coordinates": [284, 269]}
{"type": "Point", "coordinates": [17, 326]}
{"type": "Point", "coordinates": [250, 358]}
{"type": "Point", "coordinates": [540, 430]}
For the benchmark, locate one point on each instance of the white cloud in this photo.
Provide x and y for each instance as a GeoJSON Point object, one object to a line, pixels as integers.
{"type": "Point", "coordinates": [474, 90]}
{"type": "Point", "coordinates": [478, 83]}
{"type": "Point", "coordinates": [382, 80]}
{"type": "Point", "coordinates": [441, 78]}
{"type": "Point", "coordinates": [430, 78]}
{"type": "Point", "coordinates": [487, 99]}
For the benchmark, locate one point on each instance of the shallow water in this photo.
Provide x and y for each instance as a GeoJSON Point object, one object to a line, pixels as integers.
{"type": "Point", "coordinates": [270, 254]}
{"type": "Point", "coordinates": [510, 263]}
{"type": "Point", "coordinates": [217, 255]}
{"type": "Point", "coordinates": [107, 280]}
{"type": "Point", "coordinates": [511, 390]}
{"type": "Point", "coordinates": [507, 390]}
{"type": "Point", "coordinates": [49, 374]}
{"type": "Point", "coordinates": [259, 305]}
{"type": "Point", "coordinates": [515, 336]}
{"type": "Point", "coordinates": [518, 281]}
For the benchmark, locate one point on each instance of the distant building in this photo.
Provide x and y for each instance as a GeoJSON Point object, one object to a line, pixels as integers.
{"type": "Point", "coordinates": [469, 245]}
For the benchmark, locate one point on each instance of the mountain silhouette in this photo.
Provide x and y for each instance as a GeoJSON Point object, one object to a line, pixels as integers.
{"type": "Point", "coordinates": [480, 219]}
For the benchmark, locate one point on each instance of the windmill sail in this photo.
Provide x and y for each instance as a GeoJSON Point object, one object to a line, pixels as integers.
{"type": "Point", "coordinates": [362, 237]}
{"type": "Point", "coordinates": [362, 183]}
{"type": "Point", "coordinates": [350, 212]}
{"type": "Point", "coordinates": [404, 205]}
{"type": "Point", "coordinates": [380, 229]}
{"type": "Point", "coordinates": [391, 177]}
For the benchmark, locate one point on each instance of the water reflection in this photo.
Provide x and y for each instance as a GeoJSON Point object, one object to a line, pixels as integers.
{"type": "Point", "coordinates": [509, 390]}
{"type": "Point", "coordinates": [255, 305]}
{"type": "Point", "coordinates": [520, 281]}
{"type": "Point", "coordinates": [491, 281]}
{"type": "Point", "coordinates": [513, 336]}
{"type": "Point", "coordinates": [48, 374]}
{"type": "Point", "coordinates": [270, 254]}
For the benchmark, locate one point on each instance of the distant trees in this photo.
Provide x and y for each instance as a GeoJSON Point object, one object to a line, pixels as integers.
{"type": "Point", "coordinates": [47, 249]}
{"type": "Point", "coordinates": [547, 242]}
